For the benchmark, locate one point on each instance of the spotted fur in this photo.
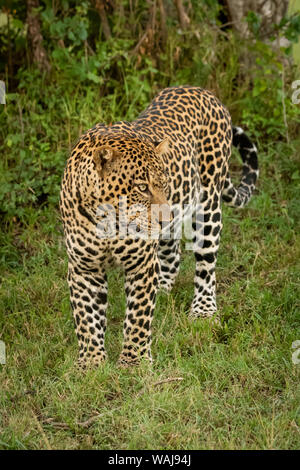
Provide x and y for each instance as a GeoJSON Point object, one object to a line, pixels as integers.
{"type": "Point", "coordinates": [176, 152]}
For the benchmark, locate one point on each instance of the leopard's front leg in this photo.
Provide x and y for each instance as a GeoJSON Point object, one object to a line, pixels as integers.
{"type": "Point", "coordinates": [88, 295]}
{"type": "Point", "coordinates": [169, 257]}
{"type": "Point", "coordinates": [141, 287]}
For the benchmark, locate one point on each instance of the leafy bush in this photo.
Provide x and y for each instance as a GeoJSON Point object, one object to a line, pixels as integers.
{"type": "Point", "coordinates": [93, 80]}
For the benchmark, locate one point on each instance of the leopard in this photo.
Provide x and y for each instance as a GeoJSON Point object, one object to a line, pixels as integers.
{"type": "Point", "coordinates": [175, 154]}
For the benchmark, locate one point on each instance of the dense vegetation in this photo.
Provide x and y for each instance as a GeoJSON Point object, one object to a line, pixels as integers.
{"type": "Point", "coordinates": [235, 386]}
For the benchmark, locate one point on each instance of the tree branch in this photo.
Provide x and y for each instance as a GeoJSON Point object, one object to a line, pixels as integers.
{"type": "Point", "coordinates": [35, 37]}
{"type": "Point", "coordinates": [184, 20]}
{"type": "Point", "coordinates": [100, 7]}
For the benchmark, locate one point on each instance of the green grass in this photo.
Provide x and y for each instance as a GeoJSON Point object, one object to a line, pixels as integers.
{"type": "Point", "coordinates": [234, 387]}
{"type": "Point", "coordinates": [228, 387]}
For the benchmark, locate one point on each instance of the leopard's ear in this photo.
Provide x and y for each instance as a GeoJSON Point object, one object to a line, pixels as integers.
{"type": "Point", "coordinates": [162, 147]}
{"type": "Point", "coordinates": [103, 157]}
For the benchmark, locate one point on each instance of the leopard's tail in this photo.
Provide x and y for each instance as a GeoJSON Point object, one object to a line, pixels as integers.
{"type": "Point", "coordinates": [238, 197]}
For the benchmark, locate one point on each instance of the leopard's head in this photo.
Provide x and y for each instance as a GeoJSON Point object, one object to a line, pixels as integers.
{"type": "Point", "coordinates": [134, 182]}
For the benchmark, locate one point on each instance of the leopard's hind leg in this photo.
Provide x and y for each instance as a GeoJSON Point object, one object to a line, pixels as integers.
{"type": "Point", "coordinates": [207, 229]}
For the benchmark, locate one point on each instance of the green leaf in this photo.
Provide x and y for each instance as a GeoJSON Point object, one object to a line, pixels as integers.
{"type": "Point", "coordinates": [93, 77]}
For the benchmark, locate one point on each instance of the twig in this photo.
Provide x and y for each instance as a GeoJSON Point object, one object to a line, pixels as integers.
{"type": "Point", "coordinates": [135, 50]}
{"type": "Point", "coordinates": [89, 421]}
{"type": "Point", "coordinates": [170, 379]}
{"type": "Point", "coordinates": [183, 17]}
{"type": "Point", "coordinates": [163, 21]}
{"type": "Point", "coordinates": [149, 28]}
{"type": "Point", "coordinates": [82, 424]}
{"type": "Point", "coordinates": [56, 424]}
{"type": "Point", "coordinates": [99, 5]}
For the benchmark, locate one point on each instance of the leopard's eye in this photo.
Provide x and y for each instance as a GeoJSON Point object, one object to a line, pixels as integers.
{"type": "Point", "coordinates": [143, 187]}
